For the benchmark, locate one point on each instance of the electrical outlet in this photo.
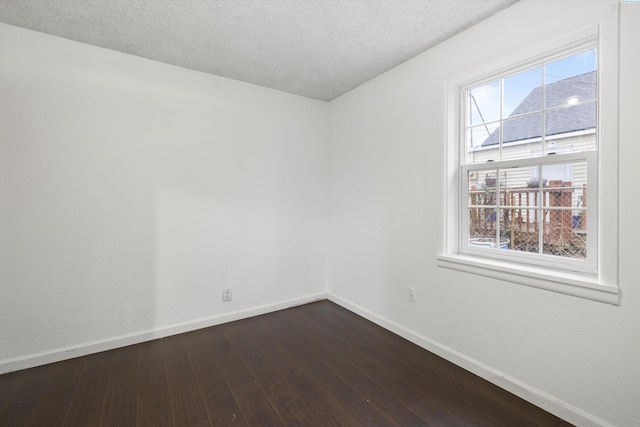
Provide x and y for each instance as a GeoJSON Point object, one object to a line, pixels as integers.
{"type": "Point", "coordinates": [412, 294]}
{"type": "Point", "coordinates": [226, 294]}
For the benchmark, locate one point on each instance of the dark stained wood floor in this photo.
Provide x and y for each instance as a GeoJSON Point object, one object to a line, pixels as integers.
{"type": "Point", "coordinates": [313, 365]}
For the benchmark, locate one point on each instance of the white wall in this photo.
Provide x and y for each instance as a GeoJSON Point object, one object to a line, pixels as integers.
{"type": "Point", "coordinates": [575, 357]}
{"type": "Point", "coordinates": [132, 192]}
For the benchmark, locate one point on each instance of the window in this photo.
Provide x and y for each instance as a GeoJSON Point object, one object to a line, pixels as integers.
{"type": "Point", "coordinates": [531, 192]}
{"type": "Point", "coordinates": [529, 151]}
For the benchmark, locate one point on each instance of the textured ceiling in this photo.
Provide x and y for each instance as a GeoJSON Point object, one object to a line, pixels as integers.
{"type": "Point", "coordinates": [314, 48]}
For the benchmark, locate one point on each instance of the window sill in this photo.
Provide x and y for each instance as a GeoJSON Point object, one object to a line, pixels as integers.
{"type": "Point", "coordinates": [569, 283]}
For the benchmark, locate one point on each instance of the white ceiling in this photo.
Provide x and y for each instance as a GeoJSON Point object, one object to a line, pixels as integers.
{"type": "Point", "coordinates": [314, 48]}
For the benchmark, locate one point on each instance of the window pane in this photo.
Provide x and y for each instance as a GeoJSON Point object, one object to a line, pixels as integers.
{"type": "Point", "coordinates": [562, 123]}
{"type": "Point", "coordinates": [564, 230]}
{"type": "Point", "coordinates": [571, 80]}
{"type": "Point", "coordinates": [519, 229]}
{"type": "Point", "coordinates": [482, 225]}
{"type": "Point", "coordinates": [475, 187]}
{"type": "Point", "coordinates": [523, 93]}
{"type": "Point", "coordinates": [482, 187]}
{"type": "Point", "coordinates": [555, 175]}
{"type": "Point", "coordinates": [522, 129]}
{"type": "Point", "coordinates": [525, 235]}
{"type": "Point", "coordinates": [482, 202]}
{"type": "Point", "coordinates": [484, 104]}
{"type": "Point", "coordinates": [482, 138]}
{"type": "Point", "coordinates": [559, 238]}
{"type": "Point", "coordinates": [519, 198]}
{"type": "Point", "coordinates": [489, 184]}
{"type": "Point", "coordinates": [579, 214]}
{"type": "Point", "coordinates": [518, 186]}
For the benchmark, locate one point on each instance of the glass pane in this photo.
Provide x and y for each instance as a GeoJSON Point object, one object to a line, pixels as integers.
{"type": "Point", "coordinates": [482, 225]}
{"type": "Point", "coordinates": [489, 242]}
{"type": "Point", "coordinates": [519, 196]}
{"type": "Point", "coordinates": [565, 232]}
{"type": "Point", "coordinates": [484, 104]}
{"type": "Point", "coordinates": [482, 217]}
{"type": "Point", "coordinates": [518, 187]}
{"type": "Point", "coordinates": [561, 123]}
{"type": "Point", "coordinates": [519, 229]}
{"type": "Point", "coordinates": [522, 129]}
{"type": "Point", "coordinates": [559, 237]}
{"type": "Point", "coordinates": [528, 236]}
{"type": "Point", "coordinates": [566, 186]}
{"type": "Point", "coordinates": [556, 175]}
{"type": "Point", "coordinates": [571, 80]}
{"type": "Point", "coordinates": [480, 139]}
{"type": "Point", "coordinates": [523, 93]}
{"type": "Point", "coordinates": [489, 182]}
{"type": "Point", "coordinates": [482, 187]}
{"type": "Point", "coordinates": [475, 188]}
{"type": "Point", "coordinates": [481, 194]}
{"type": "Point", "coordinates": [579, 199]}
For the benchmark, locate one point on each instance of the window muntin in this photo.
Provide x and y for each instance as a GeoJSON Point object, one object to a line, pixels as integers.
{"type": "Point", "coordinates": [540, 122]}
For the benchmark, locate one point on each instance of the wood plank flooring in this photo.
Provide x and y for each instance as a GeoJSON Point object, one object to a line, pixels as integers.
{"type": "Point", "coordinates": [313, 365]}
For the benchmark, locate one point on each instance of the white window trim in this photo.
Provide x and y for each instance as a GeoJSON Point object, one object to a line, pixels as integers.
{"type": "Point", "coordinates": [601, 285]}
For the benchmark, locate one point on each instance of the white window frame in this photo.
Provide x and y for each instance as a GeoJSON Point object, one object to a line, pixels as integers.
{"type": "Point", "coordinates": [597, 281]}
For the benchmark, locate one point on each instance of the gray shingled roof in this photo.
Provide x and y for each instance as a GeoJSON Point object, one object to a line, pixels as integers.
{"type": "Point", "coordinates": [559, 121]}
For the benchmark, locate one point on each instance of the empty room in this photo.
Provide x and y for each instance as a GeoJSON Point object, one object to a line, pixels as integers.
{"type": "Point", "coordinates": [319, 212]}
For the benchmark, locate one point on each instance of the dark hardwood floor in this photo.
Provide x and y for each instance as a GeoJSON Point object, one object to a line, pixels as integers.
{"type": "Point", "coordinates": [314, 365]}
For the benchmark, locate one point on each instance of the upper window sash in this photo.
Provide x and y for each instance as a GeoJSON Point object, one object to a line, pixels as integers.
{"type": "Point", "coordinates": [553, 98]}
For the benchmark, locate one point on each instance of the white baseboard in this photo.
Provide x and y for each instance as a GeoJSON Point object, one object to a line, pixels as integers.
{"type": "Point", "coordinates": [525, 391]}
{"type": "Point", "coordinates": [59, 354]}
